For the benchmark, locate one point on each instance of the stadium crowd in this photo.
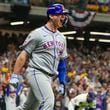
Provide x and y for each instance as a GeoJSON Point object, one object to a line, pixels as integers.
{"type": "Point", "coordinates": [100, 4]}
{"type": "Point", "coordinates": [88, 70]}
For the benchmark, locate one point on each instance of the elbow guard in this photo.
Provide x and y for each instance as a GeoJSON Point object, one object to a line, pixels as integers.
{"type": "Point", "coordinates": [62, 70]}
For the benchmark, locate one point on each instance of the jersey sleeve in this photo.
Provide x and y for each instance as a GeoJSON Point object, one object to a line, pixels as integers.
{"type": "Point", "coordinates": [29, 43]}
{"type": "Point", "coordinates": [62, 70]}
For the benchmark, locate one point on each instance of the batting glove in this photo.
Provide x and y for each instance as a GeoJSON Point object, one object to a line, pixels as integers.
{"type": "Point", "coordinates": [14, 79]}
{"type": "Point", "coordinates": [61, 89]}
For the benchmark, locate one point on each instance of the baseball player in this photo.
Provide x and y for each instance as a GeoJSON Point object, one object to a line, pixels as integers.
{"type": "Point", "coordinates": [45, 50]}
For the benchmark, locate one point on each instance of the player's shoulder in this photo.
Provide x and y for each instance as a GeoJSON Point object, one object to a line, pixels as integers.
{"type": "Point", "coordinates": [37, 30]}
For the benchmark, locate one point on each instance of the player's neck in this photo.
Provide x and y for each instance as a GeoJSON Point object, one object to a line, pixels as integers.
{"type": "Point", "coordinates": [51, 27]}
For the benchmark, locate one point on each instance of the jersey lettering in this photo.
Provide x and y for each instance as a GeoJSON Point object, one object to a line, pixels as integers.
{"type": "Point", "coordinates": [53, 43]}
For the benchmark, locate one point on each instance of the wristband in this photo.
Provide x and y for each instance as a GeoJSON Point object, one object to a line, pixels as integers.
{"type": "Point", "coordinates": [13, 75]}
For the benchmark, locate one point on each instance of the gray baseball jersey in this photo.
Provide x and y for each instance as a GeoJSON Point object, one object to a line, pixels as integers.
{"type": "Point", "coordinates": [45, 49]}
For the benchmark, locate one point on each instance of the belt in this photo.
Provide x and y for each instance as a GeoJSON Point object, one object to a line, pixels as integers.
{"type": "Point", "coordinates": [45, 72]}
{"type": "Point", "coordinates": [51, 75]}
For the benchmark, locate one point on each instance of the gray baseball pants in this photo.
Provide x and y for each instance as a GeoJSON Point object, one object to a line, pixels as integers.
{"type": "Point", "coordinates": [41, 96]}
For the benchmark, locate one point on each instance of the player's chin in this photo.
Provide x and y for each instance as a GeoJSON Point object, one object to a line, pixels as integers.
{"type": "Point", "coordinates": [60, 24]}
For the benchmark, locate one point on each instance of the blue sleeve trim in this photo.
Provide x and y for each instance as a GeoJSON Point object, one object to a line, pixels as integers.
{"type": "Point", "coordinates": [62, 70]}
{"type": "Point", "coordinates": [26, 51]}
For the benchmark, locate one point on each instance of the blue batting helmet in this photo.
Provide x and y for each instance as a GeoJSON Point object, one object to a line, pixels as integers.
{"type": "Point", "coordinates": [56, 9]}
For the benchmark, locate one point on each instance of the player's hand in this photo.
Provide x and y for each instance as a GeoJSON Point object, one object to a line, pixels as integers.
{"type": "Point", "coordinates": [61, 89]}
{"type": "Point", "coordinates": [14, 79]}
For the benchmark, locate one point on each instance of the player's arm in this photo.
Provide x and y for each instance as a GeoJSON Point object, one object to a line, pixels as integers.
{"type": "Point", "coordinates": [62, 70]}
{"type": "Point", "coordinates": [62, 64]}
{"type": "Point", "coordinates": [27, 48]}
{"type": "Point", "coordinates": [61, 75]}
{"type": "Point", "coordinates": [20, 62]}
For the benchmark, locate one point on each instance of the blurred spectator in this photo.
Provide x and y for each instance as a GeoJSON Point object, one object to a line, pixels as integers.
{"type": "Point", "coordinates": [22, 95]}
{"type": "Point", "coordinates": [11, 99]}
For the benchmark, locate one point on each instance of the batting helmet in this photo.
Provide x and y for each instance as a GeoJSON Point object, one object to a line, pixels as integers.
{"type": "Point", "coordinates": [56, 9]}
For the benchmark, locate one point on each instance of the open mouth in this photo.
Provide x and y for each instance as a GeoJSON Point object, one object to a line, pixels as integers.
{"type": "Point", "coordinates": [61, 21]}
{"type": "Point", "coordinates": [64, 22]}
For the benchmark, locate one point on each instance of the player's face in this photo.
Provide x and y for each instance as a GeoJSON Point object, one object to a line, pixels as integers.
{"type": "Point", "coordinates": [58, 20]}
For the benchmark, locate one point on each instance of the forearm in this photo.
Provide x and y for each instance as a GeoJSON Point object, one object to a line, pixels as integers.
{"type": "Point", "coordinates": [20, 62]}
{"type": "Point", "coordinates": [62, 70]}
